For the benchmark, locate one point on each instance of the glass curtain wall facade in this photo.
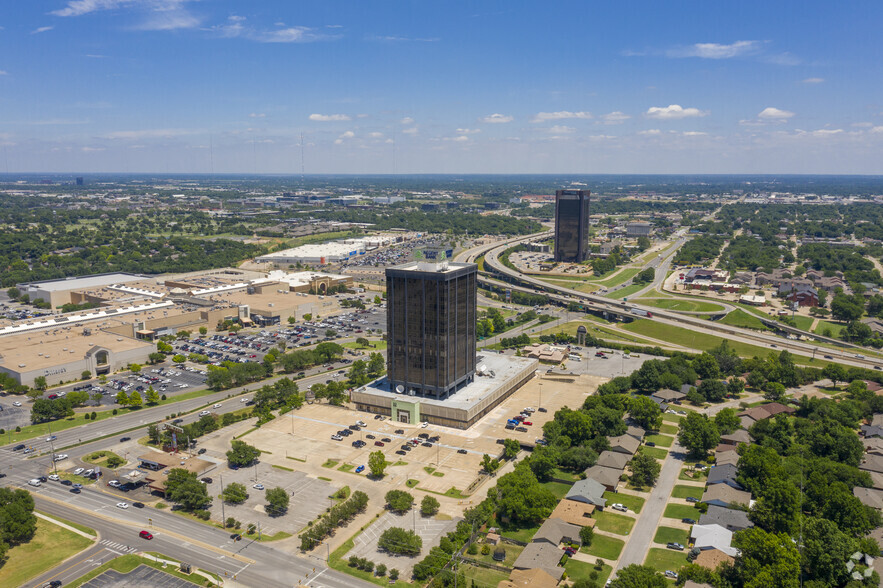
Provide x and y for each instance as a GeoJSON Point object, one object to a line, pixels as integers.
{"type": "Point", "coordinates": [572, 225]}
{"type": "Point", "coordinates": [431, 319]}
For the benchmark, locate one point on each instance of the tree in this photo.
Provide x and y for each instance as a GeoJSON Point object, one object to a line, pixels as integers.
{"type": "Point", "coordinates": [774, 391]}
{"type": "Point", "coordinates": [376, 364]}
{"type": "Point", "coordinates": [135, 399]}
{"type": "Point", "coordinates": [489, 464]}
{"type": "Point", "coordinates": [156, 357]}
{"type": "Point", "coordinates": [645, 413]}
{"type": "Point", "coordinates": [328, 350]}
{"type": "Point", "coordinates": [308, 317]}
{"type": "Point", "coordinates": [377, 464]}
{"type": "Point", "coordinates": [727, 421]}
{"type": "Point", "coordinates": [152, 396]}
{"type": "Point", "coordinates": [40, 383]}
{"type": "Point", "coordinates": [429, 506]}
{"type": "Point", "coordinates": [399, 500]}
{"type": "Point", "coordinates": [645, 469]}
{"type": "Point", "coordinates": [586, 534]}
{"type": "Point", "coordinates": [635, 576]}
{"type": "Point", "coordinates": [358, 374]}
{"type": "Point", "coordinates": [400, 541]}
{"type": "Point", "coordinates": [184, 488]}
{"type": "Point", "coordinates": [34, 393]}
{"type": "Point", "coordinates": [698, 434]}
{"type": "Point", "coordinates": [835, 372]}
{"type": "Point", "coordinates": [777, 510]}
{"type": "Point", "coordinates": [179, 358]}
{"type": "Point", "coordinates": [362, 342]}
{"type": "Point", "coordinates": [277, 501]}
{"type": "Point", "coordinates": [511, 447]}
{"type": "Point", "coordinates": [712, 390]}
{"type": "Point", "coordinates": [122, 398]}
{"type": "Point", "coordinates": [242, 454]}
{"type": "Point", "coordinates": [643, 243]}
{"type": "Point", "coordinates": [85, 375]}
{"type": "Point", "coordinates": [767, 559]}
{"type": "Point", "coordinates": [706, 366]}
{"type": "Point", "coordinates": [153, 433]}
{"type": "Point", "coordinates": [541, 464]}
{"type": "Point", "coordinates": [203, 330]}
{"type": "Point", "coordinates": [135, 368]}
{"type": "Point", "coordinates": [17, 515]}
{"type": "Point", "coordinates": [844, 308]}
{"type": "Point", "coordinates": [234, 493]}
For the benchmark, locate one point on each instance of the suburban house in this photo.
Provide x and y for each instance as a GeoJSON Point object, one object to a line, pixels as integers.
{"type": "Point", "coordinates": [710, 559]}
{"type": "Point", "coordinates": [734, 520]}
{"type": "Point", "coordinates": [574, 512]}
{"type": "Point", "coordinates": [588, 491]}
{"type": "Point", "coordinates": [872, 463]}
{"type": "Point", "coordinates": [726, 457]}
{"type": "Point", "coordinates": [624, 444]}
{"type": "Point", "coordinates": [723, 474]}
{"type": "Point", "coordinates": [611, 459]}
{"type": "Point", "coordinates": [555, 531]}
{"type": "Point", "coordinates": [535, 578]}
{"type": "Point", "coordinates": [668, 396]}
{"type": "Point", "coordinates": [868, 431]}
{"type": "Point", "coordinates": [713, 537]}
{"type": "Point", "coordinates": [607, 477]}
{"type": "Point", "coordinates": [869, 496]}
{"type": "Point", "coordinates": [725, 496]}
{"type": "Point", "coordinates": [636, 432]}
{"type": "Point", "coordinates": [544, 552]}
{"type": "Point", "coordinates": [736, 437]}
{"type": "Point", "coordinates": [764, 411]}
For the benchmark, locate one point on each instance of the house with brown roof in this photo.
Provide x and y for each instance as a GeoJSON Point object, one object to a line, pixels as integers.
{"type": "Point", "coordinates": [668, 396]}
{"type": "Point", "coordinates": [624, 444]}
{"type": "Point", "coordinates": [873, 445]}
{"type": "Point", "coordinates": [607, 477]}
{"type": "Point", "coordinates": [725, 496]}
{"type": "Point", "coordinates": [872, 463]}
{"type": "Point", "coordinates": [535, 578]}
{"type": "Point", "coordinates": [541, 555]}
{"type": "Point", "coordinates": [555, 530]}
{"type": "Point", "coordinates": [764, 411]}
{"type": "Point", "coordinates": [636, 432]}
{"type": "Point", "coordinates": [869, 496]}
{"type": "Point", "coordinates": [736, 437]}
{"type": "Point", "coordinates": [726, 457]}
{"type": "Point", "coordinates": [612, 459]}
{"type": "Point", "coordinates": [711, 559]}
{"type": "Point", "coordinates": [574, 512]}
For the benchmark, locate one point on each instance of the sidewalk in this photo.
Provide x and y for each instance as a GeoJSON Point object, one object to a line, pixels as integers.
{"type": "Point", "coordinates": [64, 526]}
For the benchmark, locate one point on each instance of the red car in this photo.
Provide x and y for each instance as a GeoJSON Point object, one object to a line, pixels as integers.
{"type": "Point", "coordinates": [145, 535]}
{"type": "Point", "coordinates": [53, 396]}
{"type": "Point", "coordinates": [379, 443]}
{"type": "Point", "coordinates": [526, 423]}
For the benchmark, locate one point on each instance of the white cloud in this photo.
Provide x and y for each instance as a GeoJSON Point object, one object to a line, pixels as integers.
{"type": "Point", "coordinates": [81, 7]}
{"type": "Point", "coordinates": [717, 50]}
{"type": "Point", "coordinates": [375, 135]}
{"type": "Point", "coordinates": [92, 149]}
{"type": "Point", "coordinates": [150, 134]}
{"type": "Point", "coordinates": [601, 137]}
{"type": "Point", "coordinates": [458, 139]}
{"type": "Point", "coordinates": [771, 113]}
{"type": "Point", "coordinates": [819, 132]}
{"type": "Point", "coordinates": [257, 115]}
{"type": "Point", "coordinates": [561, 130]}
{"type": "Point", "coordinates": [694, 133]}
{"type": "Point", "coordinates": [162, 15]}
{"type": "Point", "coordinates": [672, 111]}
{"type": "Point", "coordinates": [407, 121]}
{"type": "Point", "coordinates": [862, 125]}
{"type": "Point", "coordinates": [813, 80]}
{"type": "Point", "coordinates": [614, 118]}
{"type": "Point", "coordinates": [877, 130]}
{"type": "Point", "coordinates": [411, 131]}
{"type": "Point", "coordinates": [289, 35]}
{"type": "Point", "coordinates": [329, 117]}
{"type": "Point", "coordinates": [650, 132]}
{"type": "Point", "coordinates": [468, 131]}
{"type": "Point", "coordinates": [41, 30]}
{"type": "Point", "coordinates": [560, 115]}
{"type": "Point", "coordinates": [345, 135]}
{"type": "Point", "coordinates": [496, 118]}
{"type": "Point", "coordinates": [3, 72]}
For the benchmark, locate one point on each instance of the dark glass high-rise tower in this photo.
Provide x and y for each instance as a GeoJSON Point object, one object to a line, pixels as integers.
{"type": "Point", "coordinates": [572, 225]}
{"type": "Point", "coordinates": [430, 318]}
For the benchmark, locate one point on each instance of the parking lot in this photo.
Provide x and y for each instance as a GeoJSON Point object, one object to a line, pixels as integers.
{"type": "Point", "coordinates": [140, 576]}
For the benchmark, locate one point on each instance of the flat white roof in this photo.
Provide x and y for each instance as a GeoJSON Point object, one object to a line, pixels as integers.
{"type": "Point", "coordinates": [76, 283]}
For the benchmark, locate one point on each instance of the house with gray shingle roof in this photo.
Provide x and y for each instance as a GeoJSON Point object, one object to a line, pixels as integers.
{"type": "Point", "coordinates": [612, 459]}
{"type": "Point", "coordinates": [624, 444]}
{"type": "Point", "coordinates": [725, 496]}
{"type": "Point", "coordinates": [607, 477]}
{"type": "Point", "coordinates": [588, 491]}
{"type": "Point", "coordinates": [728, 518]}
{"type": "Point", "coordinates": [723, 474]}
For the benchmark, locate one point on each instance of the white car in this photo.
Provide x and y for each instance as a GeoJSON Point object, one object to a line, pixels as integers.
{"type": "Point", "coordinates": [424, 424]}
{"type": "Point", "coordinates": [16, 403]}
{"type": "Point", "coordinates": [113, 484]}
{"type": "Point", "coordinates": [53, 477]}
{"type": "Point", "coordinates": [122, 505]}
{"type": "Point", "coordinates": [243, 400]}
{"type": "Point", "coordinates": [361, 423]}
{"type": "Point", "coordinates": [79, 471]}
{"type": "Point", "coordinates": [217, 406]}
{"type": "Point", "coordinates": [204, 413]}
{"type": "Point", "coordinates": [88, 472]}
{"type": "Point", "coordinates": [619, 507]}
{"type": "Point", "coordinates": [258, 486]}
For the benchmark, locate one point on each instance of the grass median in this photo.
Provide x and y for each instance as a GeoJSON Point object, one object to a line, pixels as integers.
{"type": "Point", "coordinates": [49, 546]}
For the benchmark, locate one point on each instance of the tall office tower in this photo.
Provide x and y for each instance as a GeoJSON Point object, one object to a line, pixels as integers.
{"type": "Point", "coordinates": [572, 225]}
{"type": "Point", "coordinates": [80, 181]}
{"type": "Point", "coordinates": [430, 318]}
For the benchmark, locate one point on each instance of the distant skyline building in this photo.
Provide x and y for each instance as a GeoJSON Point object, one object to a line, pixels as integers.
{"type": "Point", "coordinates": [431, 335]}
{"type": "Point", "coordinates": [572, 225]}
{"type": "Point", "coordinates": [80, 181]}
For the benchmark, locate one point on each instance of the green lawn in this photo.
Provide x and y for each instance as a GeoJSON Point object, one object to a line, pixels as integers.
{"type": "Point", "coordinates": [682, 304]}
{"type": "Point", "coordinates": [614, 523]}
{"type": "Point", "coordinates": [376, 345]}
{"type": "Point", "coordinates": [558, 489]}
{"type": "Point", "coordinates": [684, 491]}
{"type": "Point", "coordinates": [681, 511]}
{"type": "Point", "coordinates": [634, 503]}
{"type": "Point", "coordinates": [660, 440]}
{"type": "Point", "coordinates": [604, 546]}
{"type": "Point", "coordinates": [564, 475]}
{"type": "Point", "coordinates": [671, 418]}
{"type": "Point", "coordinates": [740, 318]}
{"type": "Point", "coordinates": [684, 475]}
{"type": "Point", "coordinates": [835, 328]}
{"type": "Point", "coordinates": [100, 458]}
{"type": "Point", "coordinates": [668, 430]}
{"type": "Point", "coordinates": [49, 546]}
{"type": "Point", "coordinates": [671, 535]}
{"type": "Point", "coordinates": [665, 559]}
{"type": "Point", "coordinates": [657, 452]}
{"type": "Point", "coordinates": [621, 277]}
{"type": "Point", "coordinates": [803, 322]}
{"type": "Point", "coordinates": [625, 292]}
{"type": "Point", "coordinates": [512, 553]}
{"type": "Point", "coordinates": [77, 526]}
{"type": "Point", "coordinates": [523, 534]}
{"type": "Point", "coordinates": [481, 577]}
{"type": "Point", "coordinates": [580, 570]}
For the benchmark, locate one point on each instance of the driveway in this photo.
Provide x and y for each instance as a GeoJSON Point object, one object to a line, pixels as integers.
{"type": "Point", "coordinates": [638, 543]}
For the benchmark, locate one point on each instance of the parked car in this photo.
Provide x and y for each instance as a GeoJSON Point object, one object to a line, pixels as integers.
{"type": "Point", "coordinates": [463, 451]}
{"type": "Point", "coordinates": [336, 438]}
{"type": "Point", "coordinates": [675, 546]}
{"type": "Point", "coordinates": [258, 486]}
{"type": "Point", "coordinates": [360, 469]}
{"type": "Point", "coordinates": [400, 431]}
{"type": "Point", "coordinates": [521, 429]}
{"type": "Point", "coordinates": [379, 443]}
{"type": "Point", "coordinates": [689, 521]}
{"type": "Point", "coordinates": [370, 437]}
{"type": "Point", "coordinates": [692, 499]}
{"type": "Point", "coordinates": [619, 507]}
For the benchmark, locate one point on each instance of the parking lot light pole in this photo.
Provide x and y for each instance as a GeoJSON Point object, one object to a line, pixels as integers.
{"type": "Point", "coordinates": [223, 516]}
{"type": "Point", "coordinates": [255, 473]}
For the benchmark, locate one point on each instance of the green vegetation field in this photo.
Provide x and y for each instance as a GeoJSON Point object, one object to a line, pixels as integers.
{"type": "Point", "coordinates": [740, 318]}
{"type": "Point", "coordinates": [835, 328]}
{"type": "Point", "coordinates": [376, 345]}
{"type": "Point", "coordinates": [625, 292]}
{"type": "Point", "coordinates": [580, 570]}
{"type": "Point", "coordinates": [668, 430]}
{"type": "Point", "coordinates": [660, 440]}
{"type": "Point", "coordinates": [665, 559]}
{"type": "Point", "coordinates": [604, 546]}
{"type": "Point", "coordinates": [655, 452]}
{"type": "Point", "coordinates": [682, 304]}
{"type": "Point", "coordinates": [684, 491]}
{"type": "Point", "coordinates": [621, 277]}
{"type": "Point", "coordinates": [614, 523]}
{"type": "Point", "coordinates": [558, 489]}
{"type": "Point", "coordinates": [479, 576]}
{"type": "Point", "coordinates": [681, 511]}
{"type": "Point", "coordinates": [634, 503]}
{"type": "Point", "coordinates": [50, 546]}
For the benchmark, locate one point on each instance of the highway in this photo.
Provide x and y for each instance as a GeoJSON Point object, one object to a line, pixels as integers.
{"type": "Point", "coordinates": [492, 264]}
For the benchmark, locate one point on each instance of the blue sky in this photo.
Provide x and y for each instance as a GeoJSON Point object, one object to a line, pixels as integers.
{"type": "Point", "coordinates": [441, 87]}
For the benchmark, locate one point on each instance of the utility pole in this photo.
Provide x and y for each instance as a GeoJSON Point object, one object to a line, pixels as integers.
{"type": "Point", "coordinates": [223, 516]}
{"type": "Point", "coordinates": [52, 448]}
